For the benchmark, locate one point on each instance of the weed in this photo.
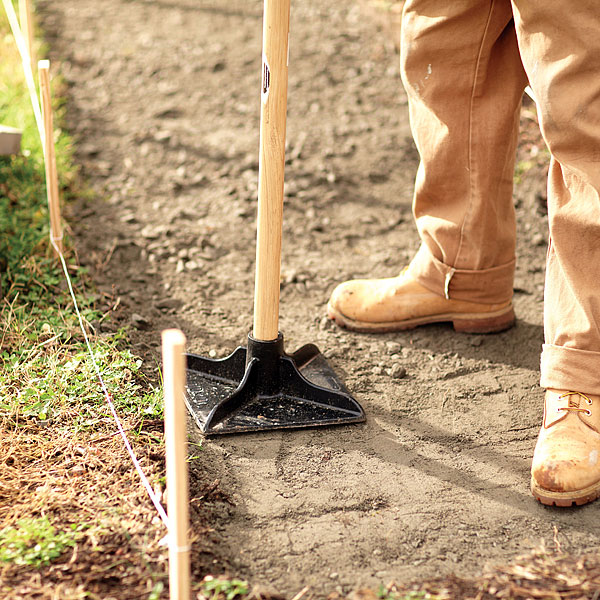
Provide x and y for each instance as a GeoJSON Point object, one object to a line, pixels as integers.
{"type": "Point", "coordinates": [34, 542]}
{"type": "Point", "coordinates": [218, 589]}
{"type": "Point", "coordinates": [391, 593]}
{"type": "Point", "coordinates": [157, 590]}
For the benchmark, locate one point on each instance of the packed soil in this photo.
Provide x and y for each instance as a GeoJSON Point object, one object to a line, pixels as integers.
{"type": "Point", "coordinates": [163, 101]}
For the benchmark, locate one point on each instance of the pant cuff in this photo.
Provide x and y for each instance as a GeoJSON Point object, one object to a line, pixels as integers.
{"type": "Point", "coordinates": [487, 286]}
{"type": "Point", "coordinates": [570, 369]}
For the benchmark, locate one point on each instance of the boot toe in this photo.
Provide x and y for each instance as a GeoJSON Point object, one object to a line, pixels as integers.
{"type": "Point", "coordinates": [343, 300]}
{"type": "Point", "coordinates": [567, 474]}
{"type": "Point", "coordinates": [566, 460]}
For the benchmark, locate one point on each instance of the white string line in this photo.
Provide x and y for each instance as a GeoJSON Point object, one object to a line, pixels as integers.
{"type": "Point", "coordinates": [23, 51]}
{"type": "Point", "coordinates": [144, 479]}
{"type": "Point", "coordinates": [26, 60]}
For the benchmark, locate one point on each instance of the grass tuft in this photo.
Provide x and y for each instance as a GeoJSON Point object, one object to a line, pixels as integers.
{"type": "Point", "coordinates": [35, 542]}
{"type": "Point", "coordinates": [216, 588]}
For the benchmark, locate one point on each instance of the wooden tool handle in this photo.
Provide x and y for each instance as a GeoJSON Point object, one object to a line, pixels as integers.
{"type": "Point", "coordinates": [276, 23]}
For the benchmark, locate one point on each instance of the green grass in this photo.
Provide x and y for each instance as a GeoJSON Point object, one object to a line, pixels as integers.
{"type": "Point", "coordinates": [25, 263]}
{"type": "Point", "coordinates": [45, 371]}
{"type": "Point", "coordinates": [61, 385]}
{"type": "Point", "coordinates": [27, 268]}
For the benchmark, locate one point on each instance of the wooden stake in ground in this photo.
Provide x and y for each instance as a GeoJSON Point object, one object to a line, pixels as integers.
{"type": "Point", "coordinates": [26, 22]}
{"type": "Point", "coordinates": [173, 348]}
{"type": "Point", "coordinates": [50, 157]}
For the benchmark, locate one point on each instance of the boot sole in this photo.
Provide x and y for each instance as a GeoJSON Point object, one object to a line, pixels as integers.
{"type": "Point", "coordinates": [462, 322]}
{"type": "Point", "coordinates": [565, 499]}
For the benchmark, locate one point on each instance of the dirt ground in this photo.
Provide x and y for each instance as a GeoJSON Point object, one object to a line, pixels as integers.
{"type": "Point", "coordinates": [164, 104]}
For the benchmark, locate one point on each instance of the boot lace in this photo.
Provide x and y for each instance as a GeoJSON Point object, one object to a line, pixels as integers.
{"type": "Point", "coordinates": [574, 407]}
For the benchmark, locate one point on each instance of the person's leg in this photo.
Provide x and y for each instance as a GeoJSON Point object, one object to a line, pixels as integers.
{"type": "Point", "coordinates": [560, 48]}
{"type": "Point", "coordinates": [464, 80]}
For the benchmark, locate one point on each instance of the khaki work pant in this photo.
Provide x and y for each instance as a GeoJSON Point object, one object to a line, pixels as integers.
{"type": "Point", "coordinates": [465, 64]}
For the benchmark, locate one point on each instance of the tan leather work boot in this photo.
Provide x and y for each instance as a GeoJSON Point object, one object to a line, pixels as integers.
{"type": "Point", "coordinates": [396, 303]}
{"type": "Point", "coordinates": [566, 461]}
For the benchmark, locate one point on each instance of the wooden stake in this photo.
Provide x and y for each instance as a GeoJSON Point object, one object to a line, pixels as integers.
{"type": "Point", "coordinates": [26, 22]}
{"type": "Point", "coordinates": [50, 157]}
{"type": "Point", "coordinates": [276, 26]}
{"type": "Point", "coordinates": [173, 345]}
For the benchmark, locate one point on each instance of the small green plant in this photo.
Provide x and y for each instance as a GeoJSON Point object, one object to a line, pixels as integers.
{"type": "Point", "coordinates": [521, 169]}
{"type": "Point", "coordinates": [391, 593]}
{"type": "Point", "coordinates": [34, 542]}
{"type": "Point", "coordinates": [156, 591]}
{"type": "Point", "coordinates": [216, 588]}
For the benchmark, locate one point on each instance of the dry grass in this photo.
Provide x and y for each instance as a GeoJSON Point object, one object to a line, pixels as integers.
{"type": "Point", "coordinates": [541, 575]}
{"type": "Point", "coordinates": [83, 480]}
